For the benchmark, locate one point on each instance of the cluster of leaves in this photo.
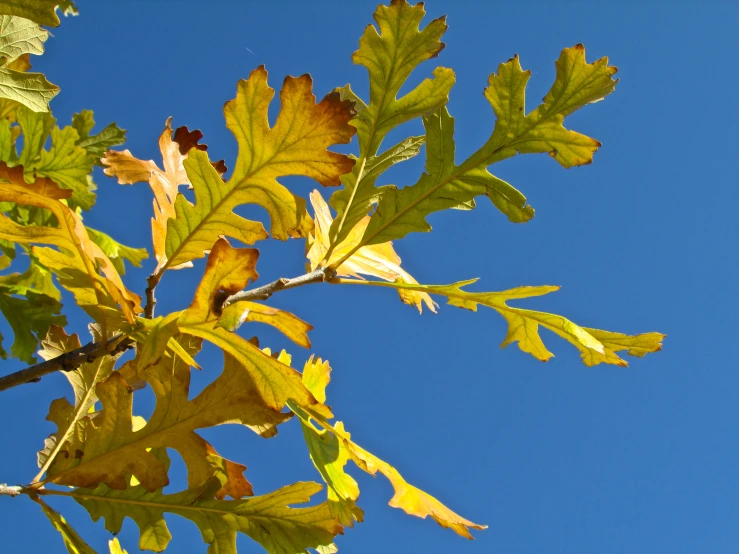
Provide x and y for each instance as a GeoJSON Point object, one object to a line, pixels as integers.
{"type": "Point", "coordinates": [115, 461]}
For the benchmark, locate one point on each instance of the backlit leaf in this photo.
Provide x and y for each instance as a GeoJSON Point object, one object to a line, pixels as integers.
{"type": "Point", "coordinates": [332, 446]}
{"type": "Point", "coordinates": [296, 145]}
{"type": "Point", "coordinates": [116, 251]}
{"type": "Point", "coordinates": [291, 326]}
{"type": "Point", "coordinates": [446, 185]}
{"type": "Point", "coordinates": [108, 447]}
{"type": "Point", "coordinates": [72, 540]}
{"type": "Point", "coordinates": [267, 519]}
{"type": "Point", "coordinates": [42, 12]}
{"type": "Point", "coordinates": [595, 346]}
{"type": "Point", "coordinates": [390, 56]}
{"type": "Point", "coordinates": [378, 260]}
{"type": "Point", "coordinates": [228, 271]}
{"type": "Point", "coordinates": [76, 263]}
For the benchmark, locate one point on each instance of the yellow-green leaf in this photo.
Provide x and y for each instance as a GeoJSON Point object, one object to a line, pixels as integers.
{"type": "Point", "coordinates": [446, 185]}
{"type": "Point", "coordinates": [379, 260]}
{"type": "Point", "coordinates": [296, 145]}
{"type": "Point", "coordinates": [83, 380]}
{"type": "Point", "coordinates": [76, 263]}
{"type": "Point", "coordinates": [268, 519]}
{"type": "Point", "coordinates": [390, 56]}
{"type": "Point", "coordinates": [107, 447]}
{"type": "Point", "coordinates": [116, 251]}
{"type": "Point", "coordinates": [290, 325]}
{"type": "Point", "coordinates": [227, 271]}
{"type": "Point", "coordinates": [20, 36]}
{"type": "Point", "coordinates": [332, 446]}
{"type": "Point", "coordinates": [72, 540]}
{"type": "Point", "coordinates": [115, 547]}
{"type": "Point", "coordinates": [42, 12]}
{"type": "Point", "coordinates": [595, 346]}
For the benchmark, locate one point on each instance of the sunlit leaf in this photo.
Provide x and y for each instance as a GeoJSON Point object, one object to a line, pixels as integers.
{"type": "Point", "coordinates": [446, 185]}
{"type": "Point", "coordinates": [116, 251]}
{"type": "Point", "coordinates": [290, 325]}
{"type": "Point", "coordinates": [378, 260]}
{"type": "Point", "coordinates": [42, 12]}
{"type": "Point", "coordinates": [390, 56]}
{"type": "Point", "coordinates": [72, 540]}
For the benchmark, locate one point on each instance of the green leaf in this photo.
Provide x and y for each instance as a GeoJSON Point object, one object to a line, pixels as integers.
{"type": "Point", "coordinates": [36, 127]}
{"type": "Point", "coordinates": [268, 519]}
{"type": "Point", "coordinates": [30, 89]}
{"type": "Point", "coordinates": [29, 317]}
{"type": "Point", "coordinates": [42, 12]}
{"type": "Point", "coordinates": [20, 36]}
{"type": "Point", "coordinates": [72, 541]}
{"type": "Point", "coordinates": [68, 165]}
{"type": "Point", "coordinates": [390, 57]}
{"type": "Point", "coordinates": [445, 185]}
{"type": "Point", "coordinates": [116, 251]}
{"type": "Point", "coordinates": [97, 144]}
{"type": "Point", "coordinates": [595, 346]}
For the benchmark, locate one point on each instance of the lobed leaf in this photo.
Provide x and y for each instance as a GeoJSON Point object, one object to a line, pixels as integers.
{"type": "Point", "coordinates": [445, 185]}
{"type": "Point", "coordinates": [595, 346]}
{"type": "Point", "coordinates": [42, 12]}
{"type": "Point", "coordinates": [379, 260]}
{"type": "Point", "coordinates": [268, 519]}
{"type": "Point", "coordinates": [331, 448]}
{"type": "Point", "coordinates": [107, 447]}
{"type": "Point", "coordinates": [390, 56]}
{"type": "Point", "coordinates": [76, 263]}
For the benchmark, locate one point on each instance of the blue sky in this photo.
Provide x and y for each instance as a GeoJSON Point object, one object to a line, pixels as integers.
{"type": "Point", "coordinates": [554, 457]}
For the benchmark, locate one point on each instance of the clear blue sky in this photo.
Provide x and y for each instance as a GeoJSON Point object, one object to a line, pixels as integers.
{"type": "Point", "coordinates": [554, 457]}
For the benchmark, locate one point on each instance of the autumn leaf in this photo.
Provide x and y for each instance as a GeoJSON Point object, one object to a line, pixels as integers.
{"type": "Point", "coordinates": [390, 56]}
{"type": "Point", "coordinates": [107, 446]}
{"type": "Point", "coordinates": [379, 260]}
{"type": "Point", "coordinates": [115, 547]}
{"type": "Point", "coordinates": [268, 519]}
{"type": "Point", "coordinates": [296, 145]}
{"type": "Point", "coordinates": [30, 303]}
{"type": "Point", "coordinates": [77, 261]}
{"type": "Point", "coordinates": [164, 183]}
{"type": "Point", "coordinates": [20, 36]}
{"type": "Point", "coordinates": [446, 185]}
{"type": "Point", "coordinates": [294, 328]}
{"type": "Point", "coordinates": [117, 252]}
{"type": "Point", "coordinates": [595, 346]}
{"type": "Point", "coordinates": [332, 446]}
{"type": "Point", "coordinates": [42, 12]}
{"type": "Point", "coordinates": [227, 271]}
{"type": "Point", "coordinates": [83, 380]}
{"type": "Point", "coordinates": [72, 540]}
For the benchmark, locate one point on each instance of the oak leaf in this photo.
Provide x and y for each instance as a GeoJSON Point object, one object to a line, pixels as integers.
{"type": "Point", "coordinates": [379, 260]}
{"type": "Point", "coordinates": [332, 446]}
{"type": "Point", "coordinates": [72, 540]}
{"type": "Point", "coordinates": [296, 145]}
{"type": "Point", "coordinates": [268, 519]}
{"type": "Point", "coordinates": [390, 56]}
{"type": "Point", "coordinates": [595, 346]}
{"type": "Point", "coordinates": [76, 263]}
{"type": "Point", "coordinates": [107, 446]}
{"type": "Point", "coordinates": [447, 185]}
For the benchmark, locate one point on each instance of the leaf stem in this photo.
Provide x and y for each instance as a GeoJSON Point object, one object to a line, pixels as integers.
{"type": "Point", "coordinates": [335, 243]}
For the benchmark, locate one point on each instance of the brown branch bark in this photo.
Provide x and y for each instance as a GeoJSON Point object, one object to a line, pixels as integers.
{"type": "Point", "coordinates": [91, 351]}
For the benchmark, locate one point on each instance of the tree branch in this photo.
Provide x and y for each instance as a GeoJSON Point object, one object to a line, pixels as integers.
{"type": "Point", "coordinates": [71, 360]}
{"type": "Point", "coordinates": [10, 490]}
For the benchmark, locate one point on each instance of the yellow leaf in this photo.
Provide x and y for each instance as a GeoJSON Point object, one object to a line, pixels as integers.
{"type": "Point", "coordinates": [76, 263]}
{"type": "Point", "coordinates": [291, 326]}
{"type": "Point", "coordinates": [115, 547]}
{"type": "Point", "coordinates": [331, 448]}
{"type": "Point", "coordinates": [268, 519]}
{"type": "Point", "coordinates": [164, 183]}
{"type": "Point", "coordinates": [108, 447]}
{"type": "Point", "coordinates": [595, 346]}
{"type": "Point", "coordinates": [227, 271]}
{"type": "Point", "coordinates": [72, 540]}
{"type": "Point", "coordinates": [296, 145]}
{"type": "Point", "coordinates": [379, 260]}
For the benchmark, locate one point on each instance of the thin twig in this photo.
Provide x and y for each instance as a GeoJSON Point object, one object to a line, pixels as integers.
{"type": "Point", "coordinates": [71, 360]}
{"type": "Point", "coordinates": [10, 490]}
{"type": "Point", "coordinates": [151, 284]}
